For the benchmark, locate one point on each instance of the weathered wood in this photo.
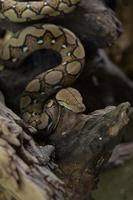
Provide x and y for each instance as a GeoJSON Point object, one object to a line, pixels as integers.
{"type": "Point", "coordinates": [83, 144]}
{"type": "Point", "coordinates": [24, 170]}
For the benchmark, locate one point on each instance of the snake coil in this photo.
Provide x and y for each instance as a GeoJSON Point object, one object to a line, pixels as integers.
{"type": "Point", "coordinates": [35, 106]}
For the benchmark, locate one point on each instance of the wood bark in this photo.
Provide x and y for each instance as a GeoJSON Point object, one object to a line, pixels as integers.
{"type": "Point", "coordinates": [82, 145]}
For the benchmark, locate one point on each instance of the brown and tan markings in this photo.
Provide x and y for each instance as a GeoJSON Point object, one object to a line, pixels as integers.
{"type": "Point", "coordinates": [33, 10]}
{"type": "Point", "coordinates": [35, 106]}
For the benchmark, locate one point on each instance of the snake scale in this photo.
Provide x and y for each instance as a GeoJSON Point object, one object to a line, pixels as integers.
{"type": "Point", "coordinates": [35, 106]}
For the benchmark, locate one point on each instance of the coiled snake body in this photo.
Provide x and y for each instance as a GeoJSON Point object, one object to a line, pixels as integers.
{"type": "Point", "coordinates": [34, 10]}
{"type": "Point", "coordinates": [36, 109]}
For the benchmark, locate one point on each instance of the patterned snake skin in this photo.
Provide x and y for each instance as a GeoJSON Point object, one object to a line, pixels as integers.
{"type": "Point", "coordinates": [33, 10]}
{"type": "Point", "coordinates": [35, 106]}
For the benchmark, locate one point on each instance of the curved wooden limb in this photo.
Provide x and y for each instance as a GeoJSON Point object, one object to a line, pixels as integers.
{"type": "Point", "coordinates": [84, 143]}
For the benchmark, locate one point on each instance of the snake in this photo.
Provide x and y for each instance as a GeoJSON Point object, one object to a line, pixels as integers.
{"type": "Point", "coordinates": [33, 10]}
{"type": "Point", "coordinates": [45, 94]}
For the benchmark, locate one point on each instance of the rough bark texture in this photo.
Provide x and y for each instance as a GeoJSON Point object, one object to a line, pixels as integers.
{"type": "Point", "coordinates": [121, 54]}
{"type": "Point", "coordinates": [24, 170]}
{"type": "Point", "coordinates": [82, 144]}
{"type": "Point", "coordinates": [85, 143]}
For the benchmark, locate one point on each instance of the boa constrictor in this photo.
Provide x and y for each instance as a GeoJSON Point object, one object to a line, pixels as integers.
{"type": "Point", "coordinates": [35, 107]}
